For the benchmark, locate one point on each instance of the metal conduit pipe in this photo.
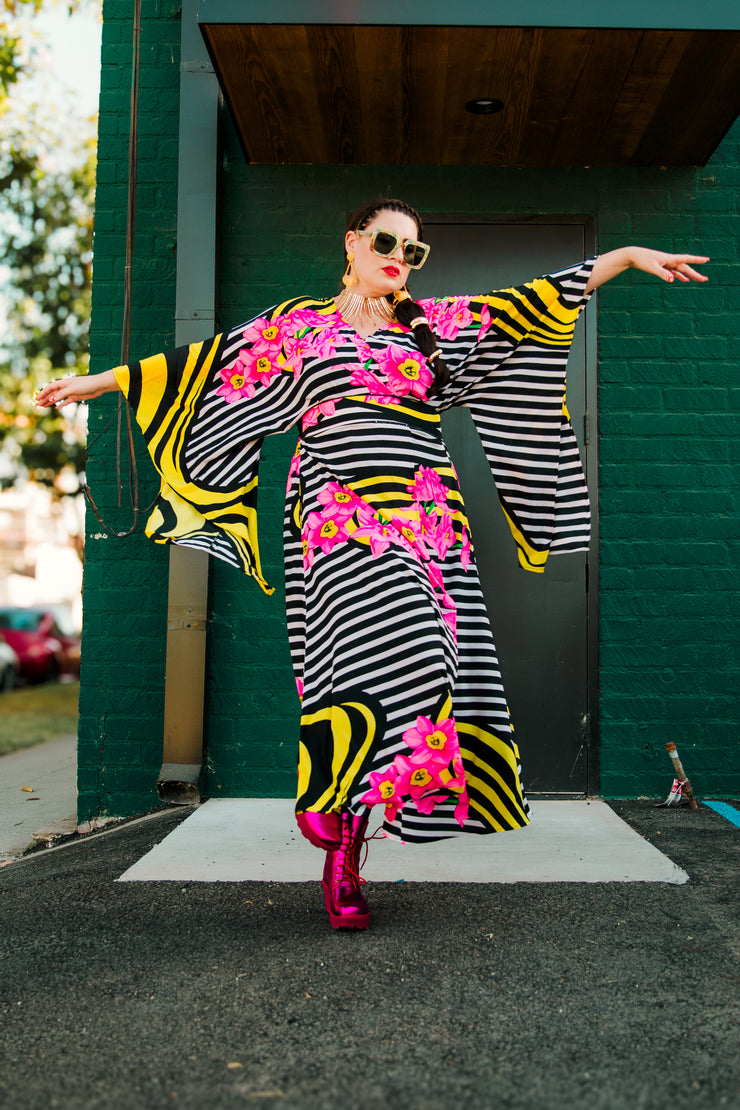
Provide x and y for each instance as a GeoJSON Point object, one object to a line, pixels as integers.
{"type": "Point", "coordinates": [195, 319]}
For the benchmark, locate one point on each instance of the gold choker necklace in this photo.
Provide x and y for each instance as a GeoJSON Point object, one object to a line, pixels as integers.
{"type": "Point", "coordinates": [360, 310]}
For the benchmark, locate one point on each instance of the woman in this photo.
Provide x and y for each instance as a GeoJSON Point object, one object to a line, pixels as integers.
{"type": "Point", "coordinates": [390, 640]}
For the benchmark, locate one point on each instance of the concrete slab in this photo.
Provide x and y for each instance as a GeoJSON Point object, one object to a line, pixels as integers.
{"type": "Point", "coordinates": [50, 770]}
{"type": "Point", "coordinates": [241, 839]}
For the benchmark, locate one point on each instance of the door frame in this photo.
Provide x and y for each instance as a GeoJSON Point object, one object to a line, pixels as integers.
{"type": "Point", "coordinates": [588, 442]}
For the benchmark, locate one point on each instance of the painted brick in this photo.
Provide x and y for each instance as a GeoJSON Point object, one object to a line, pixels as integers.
{"type": "Point", "coordinates": [126, 580]}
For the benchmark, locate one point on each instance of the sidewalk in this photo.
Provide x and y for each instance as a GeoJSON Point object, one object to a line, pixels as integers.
{"type": "Point", "coordinates": [498, 996]}
{"type": "Point", "coordinates": [49, 806]}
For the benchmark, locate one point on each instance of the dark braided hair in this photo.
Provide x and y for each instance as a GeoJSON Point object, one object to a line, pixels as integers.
{"type": "Point", "coordinates": [406, 309]}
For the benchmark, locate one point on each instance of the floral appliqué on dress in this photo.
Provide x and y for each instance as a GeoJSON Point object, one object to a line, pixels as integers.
{"type": "Point", "coordinates": [275, 347]}
{"type": "Point", "coordinates": [434, 765]}
{"type": "Point", "coordinates": [427, 530]}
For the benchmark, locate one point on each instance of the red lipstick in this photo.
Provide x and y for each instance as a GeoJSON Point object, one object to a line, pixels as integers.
{"type": "Point", "coordinates": [391, 271]}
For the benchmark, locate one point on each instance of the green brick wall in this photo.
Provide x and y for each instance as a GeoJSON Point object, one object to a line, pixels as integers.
{"type": "Point", "coordinates": [125, 581]}
{"type": "Point", "coordinates": [669, 506]}
{"type": "Point", "coordinates": [669, 501]}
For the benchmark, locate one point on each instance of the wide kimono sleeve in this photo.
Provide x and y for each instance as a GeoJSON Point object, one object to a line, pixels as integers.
{"type": "Point", "coordinates": [204, 410]}
{"type": "Point", "coordinates": [507, 352]}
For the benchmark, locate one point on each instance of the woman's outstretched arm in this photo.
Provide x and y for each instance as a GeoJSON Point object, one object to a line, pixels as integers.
{"type": "Point", "coordinates": [70, 391]}
{"type": "Point", "coordinates": [662, 265]}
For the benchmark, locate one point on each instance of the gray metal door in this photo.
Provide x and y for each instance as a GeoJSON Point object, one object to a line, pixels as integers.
{"type": "Point", "coordinates": [540, 621]}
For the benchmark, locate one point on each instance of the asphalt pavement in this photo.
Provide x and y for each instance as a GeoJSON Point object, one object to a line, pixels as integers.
{"type": "Point", "coordinates": [601, 996]}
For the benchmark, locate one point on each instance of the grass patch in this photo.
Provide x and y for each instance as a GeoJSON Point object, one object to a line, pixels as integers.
{"type": "Point", "coordinates": [36, 714]}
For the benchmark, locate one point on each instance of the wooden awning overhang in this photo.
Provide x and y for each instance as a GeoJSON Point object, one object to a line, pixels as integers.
{"type": "Point", "coordinates": [367, 87]}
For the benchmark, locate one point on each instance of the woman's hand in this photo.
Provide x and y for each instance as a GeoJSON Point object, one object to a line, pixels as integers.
{"type": "Point", "coordinates": [73, 391]}
{"type": "Point", "coordinates": [662, 265]}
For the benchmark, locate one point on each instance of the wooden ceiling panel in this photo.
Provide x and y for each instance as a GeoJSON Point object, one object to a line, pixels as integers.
{"type": "Point", "coordinates": [595, 95]}
{"type": "Point", "coordinates": [469, 67]}
{"type": "Point", "coordinates": [341, 93]}
{"type": "Point", "coordinates": [562, 58]}
{"type": "Point", "coordinates": [653, 65]}
{"type": "Point", "coordinates": [679, 104]}
{"type": "Point", "coordinates": [337, 84]}
{"type": "Point", "coordinates": [380, 53]}
{"type": "Point", "coordinates": [423, 93]}
{"type": "Point", "coordinates": [719, 103]}
{"type": "Point", "coordinates": [502, 65]}
{"type": "Point", "coordinates": [261, 104]}
{"type": "Point", "coordinates": [520, 67]}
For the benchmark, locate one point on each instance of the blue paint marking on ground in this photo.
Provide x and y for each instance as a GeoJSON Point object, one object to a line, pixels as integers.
{"type": "Point", "coordinates": [725, 810]}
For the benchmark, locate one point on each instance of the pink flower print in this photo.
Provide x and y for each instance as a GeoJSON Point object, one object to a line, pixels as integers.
{"type": "Point", "coordinates": [428, 524]}
{"type": "Point", "coordinates": [449, 616]}
{"type": "Point", "coordinates": [339, 500]}
{"type": "Point", "coordinates": [311, 416]}
{"type": "Point", "coordinates": [265, 335]}
{"type": "Point", "coordinates": [460, 786]}
{"type": "Point", "coordinates": [447, 601]}
{"type": "Point", "coordinates": [362, 377]}
{"type": "Point", "coordinates": [461, 810]}
{"type": "Point", "coordinates": [451, 317]}
{"type": "Point", "coordinates": [299, 687]}
{"type": "Point", "coordinates": [309, 318]}
{"type": "Point", "coordinates": [308, 554]}
{"type": "Point", "coordinates": [428, 486]}
{"type": "Point", "coordinates": [260, 367]}
{"type": "Point", "coordinates": [381, 534]}
{"type": "Point", "coordinates": [384, 789]}
{"type": "Point", "coordinates": [459, 781]}
{"type": "Point", "coordinates": [235, 384]}
{"type": "Point", "coordinates": [291, 358]}
{"type": "Point", "coordinates": [429, 801]}
{"type": "Point", "coordinates": [435, 576]}
{"type": "Point", "coordinates": [405, 372]}
{"type": "Point", "coordinates": [485, 319]}
{"type": "Point", "coordinates": [364, 352]}
{"type": "Point", "coordinates": [435, 743]}
{"type": "Point", "coordinates": [385, 399]}
{"type": "Point", "coordinates": [465, 550]}
{"type": "Point", "coordinates": [324, 533]}
{"type": "Point", "coordinates": [321, 345]}
{"type": "Point", "coordinates": [414, 779]}
{"type": "Point", "coordinates": [413, 537]}
{"type": "Point", "coordinates": [442, 534]}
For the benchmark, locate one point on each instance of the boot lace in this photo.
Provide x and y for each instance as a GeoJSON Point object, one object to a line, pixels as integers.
{"type": "Point", "coordinates": [344, 866]}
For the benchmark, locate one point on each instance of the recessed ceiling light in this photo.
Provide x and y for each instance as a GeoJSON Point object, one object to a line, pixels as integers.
{"type": "Point", "coordinates": [484, 105]}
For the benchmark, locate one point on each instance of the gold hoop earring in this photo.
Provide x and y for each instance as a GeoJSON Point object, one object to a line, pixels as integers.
{"type": "Point", "coordinates": [350, 278]}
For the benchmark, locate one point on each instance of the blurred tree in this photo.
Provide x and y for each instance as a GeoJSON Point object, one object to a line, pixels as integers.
{"type": "Point", "coordinates": [12, 51]}
{"type": "Point", "coordinates": [46, 249]}
{"type": "Point", "coordinates": [15, 54]}
{"type": "Point", "coordinates": [46, 245]}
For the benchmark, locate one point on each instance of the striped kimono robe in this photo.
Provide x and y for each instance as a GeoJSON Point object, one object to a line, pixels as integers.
{"type": "Point", "coordinates": [402, 701]}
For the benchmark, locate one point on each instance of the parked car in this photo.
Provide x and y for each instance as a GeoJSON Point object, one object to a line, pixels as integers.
{"type": "Point", "coordinates": [10, 666]}
{"type": "Point", "coordinates": [46, 645]}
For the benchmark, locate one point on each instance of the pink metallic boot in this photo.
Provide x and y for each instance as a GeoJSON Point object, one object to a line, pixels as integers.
{"type": "Point", "coordinates": [342, 884]}
{"type": "Point", "coordinates": [341, 836]}
{"type": "Point", "coordinates": [323, 830]}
